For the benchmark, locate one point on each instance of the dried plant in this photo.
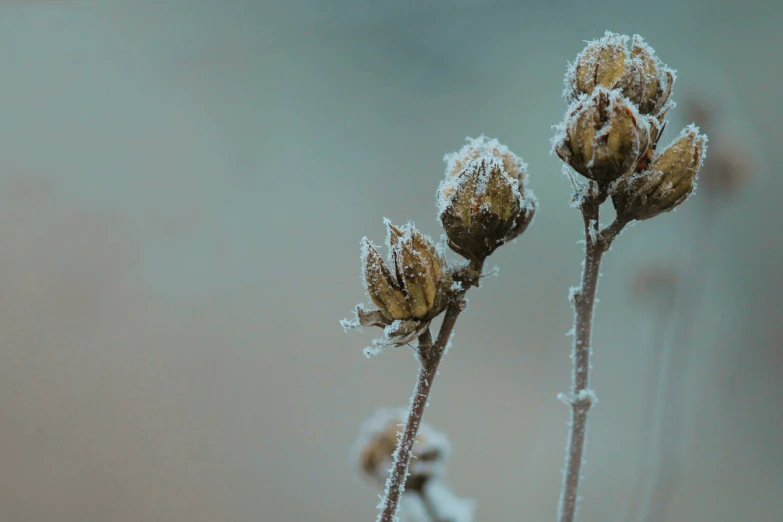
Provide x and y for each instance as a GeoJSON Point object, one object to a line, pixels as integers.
{"type": "Point", "coordinates": [619, 94]}
{"type": "Point", "coordinates": [483, 203]}
{"type": "Point", "coordinates": [610, 134]}
{"type": "Point", "coordinates": [428, 497]}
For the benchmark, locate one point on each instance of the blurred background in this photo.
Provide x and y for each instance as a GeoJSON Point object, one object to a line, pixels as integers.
{"type": "Point", "coordinates": [183, 188]}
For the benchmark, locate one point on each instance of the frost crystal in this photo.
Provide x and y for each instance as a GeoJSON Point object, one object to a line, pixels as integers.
{"type": "Point", "coordinates": [353, 323]}
{"type": "Point", "coordinates": [364, 254]}
{"type": "Point", "coordinates": [591, 58]}
{"type": "Point", "coordinates": [482, 149]}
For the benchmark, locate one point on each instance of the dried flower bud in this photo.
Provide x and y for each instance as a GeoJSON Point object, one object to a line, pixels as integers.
{"type": "Point", "coordinates": [603, 137]}
{"type": "Point", "coordinates": [643, 79]}
{"type": "Point", "coordinates": [484, 202]}
{"type": "Point", "coordinates": [647, 81]}
{"type": "Point", "coordinates": [600, 64]}
{"type": "Point", "coordinates": [418, 267]}
{"type": "Point", "coordinates": [416, 289]}
{"type": "Point", "coordinates": [382, 287]}
{"type": "Point", "coordinates": [668, 181]}
{"type": "Point", "coordinates": [378, 440]}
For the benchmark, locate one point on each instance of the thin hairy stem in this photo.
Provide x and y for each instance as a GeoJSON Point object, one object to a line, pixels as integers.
{"type": "Point", "coordinates": [429, 357]}
{"type": "Point", "coordinates": [583, 298]}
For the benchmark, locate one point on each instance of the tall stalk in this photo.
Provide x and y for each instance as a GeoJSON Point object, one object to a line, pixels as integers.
{"type": "Point", "coordinates": [429, 358]}
{"type": "Point", "coordinates": [583, 300]}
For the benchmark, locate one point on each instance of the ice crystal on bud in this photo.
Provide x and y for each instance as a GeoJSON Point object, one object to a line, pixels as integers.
{"type": "Point", "coordinates": [484, 202]}
{"type": "Point", "coordinates": [637, 73]}
{"type": "Point", "coordinates": [603, 136]}
{"type": "Point", "coordinates": [668, 181]}
{"type": "Point", "coordinates": [483, 146]}
{"type": "Point", "coordinates": [600, 64]}
{"type": "Point", "coordinates": [648, 82]}
{"type": "Point", "coordinates": [382, 287]}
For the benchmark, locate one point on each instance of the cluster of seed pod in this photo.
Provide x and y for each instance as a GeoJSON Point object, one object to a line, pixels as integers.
{"type": "Point", "coordinates": [483, 203]}
{"type": "Point", "coordinates": [411, 290]}
{"type": "Point", "coordinates": [619, 98]}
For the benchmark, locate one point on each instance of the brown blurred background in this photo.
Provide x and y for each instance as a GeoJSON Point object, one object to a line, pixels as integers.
{"type": "Point", "coordinates": [183, 188]}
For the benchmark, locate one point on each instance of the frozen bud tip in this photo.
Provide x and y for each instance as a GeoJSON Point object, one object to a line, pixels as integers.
{"type": "Point", "coordinates": [600, 64]}
{"type": "Point", "coordinates": [483, 146]}
{"type": "Point", "coordinates": [603, 136]}
{"type": "Point", "coordinates": [637, 73]}
{"type": "Point", "coordinates": [667, 182]}
{"type": "Point", "coordinates": [648, 82]}
{"type": "Point", "coordinates": [484, 201]}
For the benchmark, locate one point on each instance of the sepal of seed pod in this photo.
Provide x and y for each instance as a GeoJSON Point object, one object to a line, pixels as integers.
{"type": "Point", "coordinates": [382, 286]}
{"type": "Point", "coordinates": [603, 137]}
{"type": "Point", "coordinates": [656, 125]}
{"type": "Point", "coordinates": [418, 266]}
{"type": "Point", "coordinates": [524, 218]}
{"type": "Point", "coordinates": [647, 82]}
{"type": "Point", "coordinates": [484, 201]}
{"type": "Point", "coordinates": [601, 64]}
{"type": "Point", "coordinates": [668, 181]}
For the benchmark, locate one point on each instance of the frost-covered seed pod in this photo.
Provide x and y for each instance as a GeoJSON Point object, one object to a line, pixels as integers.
{"type": "Point", "coordinates": [603, 136]}
{"type": "Point", "coordinates": [418, 267]}
{"type": "Point", "coordinates": [668, 181]}
{"type": "Point", "coordinates": [600, 64]}
{"type": "Point", "coordinates": [484, 201]}
{"type": "Point", "coordinates": [647, 81]}
{"type": "Point", "coordinates": [641, 77]}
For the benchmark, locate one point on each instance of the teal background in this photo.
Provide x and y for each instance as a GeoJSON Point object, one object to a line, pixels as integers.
{"type": "Point", "coordinates": [183, 188]}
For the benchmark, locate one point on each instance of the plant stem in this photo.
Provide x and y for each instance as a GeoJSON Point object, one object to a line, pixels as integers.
{"type": "Point", "coordinates": [583, 298]}
{"type": "Point", "coordinates": [429, 357]}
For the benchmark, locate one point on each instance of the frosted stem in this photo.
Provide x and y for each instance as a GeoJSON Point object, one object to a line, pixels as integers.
{"type": "Point", "coordinates": [429, 357]}
{"type": "Point", "coordinates": [583, 299]}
